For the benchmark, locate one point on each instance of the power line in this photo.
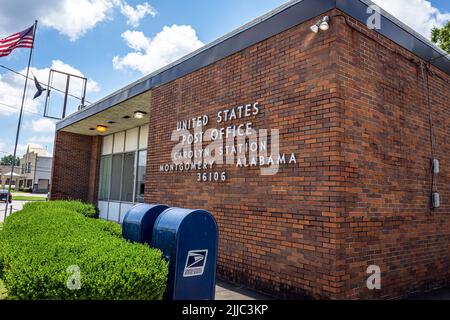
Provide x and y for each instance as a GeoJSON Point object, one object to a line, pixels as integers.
{"type": "Point", "coordinates": [53, 88]}
{"type": "Point", "coordinates": [36, 169]}
{"type": "Point", "coordinates": [14, 108]}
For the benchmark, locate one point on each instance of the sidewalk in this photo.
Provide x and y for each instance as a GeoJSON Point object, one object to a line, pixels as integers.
{"type": "Point", "coordinates": [439, 294]}
{"type": "Point", "coordinates": [17, 205]}
{"type": "Point", "coordinates": [227, 291]}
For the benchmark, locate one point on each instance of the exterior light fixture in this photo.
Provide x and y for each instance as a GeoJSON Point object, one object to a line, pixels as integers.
{"type": "Point", "coordinates": [100, 128]}
{"type": "Point", "coordinates": [322, 24]}
{"type": "Point", "coordinates": [139, 114]}
{"type": "Point", "coordinates": [315, 28]}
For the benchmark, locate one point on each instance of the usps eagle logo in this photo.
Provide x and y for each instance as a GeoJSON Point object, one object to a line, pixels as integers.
{"type": "Point", "coordinates": [195, 263]}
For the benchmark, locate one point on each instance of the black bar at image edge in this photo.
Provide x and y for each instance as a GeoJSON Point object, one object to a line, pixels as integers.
{"type": "Point", "coordinates": [272, 309]}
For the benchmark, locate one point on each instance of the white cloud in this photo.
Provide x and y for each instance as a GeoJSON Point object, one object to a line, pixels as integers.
{"type": "Point", "coordinates": [72, 18]}
{"type": "Point", "coordinates": [420, 15]}
{"type": "Point", "coordinates": [11, 90]}
{"type": "Point", "coordinates": [3, 149]}
{"type": "Point", "coordinates": [8, 148]}
{"type": "Point", "coordinates": [151, 54]}
{"type": "Point", "coordinates": [21, 149]}
{"type": "Point", "coordinates": [75, 18]}
{"type": "Point", "coordinates": [41, 125]}
{"type": "Point", "coordinates": [134, 15]}
{"type": "Point", "coordinates": [76, 83]}
{"type": "Point", "coordinates": [42, 139]}
{"type": "Point", "coordinates": [136, 40]}
{"type": "Point", "coordinates": [11, 87]}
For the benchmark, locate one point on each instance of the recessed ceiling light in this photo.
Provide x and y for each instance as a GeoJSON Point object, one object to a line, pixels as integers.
{"type": "Point", "coordinates": [139, 114]}
{"type": "Point", "coordinates": [111, 122]}
{"type": "Point", "coordinates": [101, 128]}
{"type": "Point", "coordinates": [91, 129]}
{"type": "Point", "coordinates": [126, 117]}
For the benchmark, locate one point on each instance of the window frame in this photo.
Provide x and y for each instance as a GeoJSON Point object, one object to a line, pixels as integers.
{"type": "Point", "coordinates": [137, 173]}
{"type": "Point", "coordinates": [100, 180]}
{"type": "Point", "coordinates": [134, 153]}
{"type": "Point", "coordinates": [122, 153]}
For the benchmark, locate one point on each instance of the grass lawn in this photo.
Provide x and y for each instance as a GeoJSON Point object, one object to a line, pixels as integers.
{"type": "Point", "coordinates": [28, 198]}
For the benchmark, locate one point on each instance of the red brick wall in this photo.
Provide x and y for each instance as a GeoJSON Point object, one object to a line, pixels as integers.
{"type": "Point", "coordinates": [76, 160]}
{"type": "Point", "coordinates": [388, 220]}
{"type": "Point", "coordinates": [94, 169]}
{"type": "Point", "coordinates": [277, 233]}
{"type": "Point", "coordinates": [351, 107]}
{"type": "Point", "coordinates": [353, 112]}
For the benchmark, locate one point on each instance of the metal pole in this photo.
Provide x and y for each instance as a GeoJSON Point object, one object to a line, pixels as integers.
{"type": "Point", "coordinates": [84, 94]}
{"type": "Point", "coordinates": [19, 122]}
{"type": "Point", "coordinates": [65, 97]}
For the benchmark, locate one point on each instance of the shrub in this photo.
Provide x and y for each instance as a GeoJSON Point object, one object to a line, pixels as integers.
{"type": "Point", "coordinates": [40, 243]}
{"type": "Point", "coordinates": [86, 209]}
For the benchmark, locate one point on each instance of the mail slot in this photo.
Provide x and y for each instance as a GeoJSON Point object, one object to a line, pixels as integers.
{"type": "Point", "coordinates": [188, 240]}
{"type": "Point", "coordinates": [139, 221]}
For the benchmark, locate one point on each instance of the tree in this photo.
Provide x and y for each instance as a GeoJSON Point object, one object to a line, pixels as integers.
{"type": "Point", "coordinates": [8, 160]}
{"type": "Point", "coordinates": [441, 36]}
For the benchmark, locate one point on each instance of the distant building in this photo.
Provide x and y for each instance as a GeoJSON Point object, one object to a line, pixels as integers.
{"type": "Point", "coordinates": [35, 169]}
{"type": "Point", "coordinates": [5, 175]}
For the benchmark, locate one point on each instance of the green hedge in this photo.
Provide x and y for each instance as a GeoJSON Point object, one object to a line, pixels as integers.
{"type": "Point", "coordinates": [86, 209]}
{"type": "Point", "coordinates": [39, 243]}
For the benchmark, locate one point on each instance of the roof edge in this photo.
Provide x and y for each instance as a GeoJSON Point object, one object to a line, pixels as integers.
{"type": "Point", "coordinates": [397, 31]}
{"type": "Point", "coordinates": [302, 10]}
{"type": "Point", "coordinates": [274, 22]}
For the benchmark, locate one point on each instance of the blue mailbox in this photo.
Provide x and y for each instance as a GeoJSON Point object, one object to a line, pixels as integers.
{"type": "Point", "coordinates": [188, 239]}
{"type": "Point", "coordinates": [139, 221]}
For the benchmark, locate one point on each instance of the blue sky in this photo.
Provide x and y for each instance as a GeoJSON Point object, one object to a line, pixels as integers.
{"type": "Point", "coordinates": [114, 42]}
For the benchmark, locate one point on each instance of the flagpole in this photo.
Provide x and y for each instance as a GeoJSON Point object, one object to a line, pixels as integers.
{"type": "Point", "coordinates": [19, 123]}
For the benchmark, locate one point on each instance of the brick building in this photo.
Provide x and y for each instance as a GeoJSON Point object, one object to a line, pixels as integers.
{"type": "Point", "coordinates": [360, 114]}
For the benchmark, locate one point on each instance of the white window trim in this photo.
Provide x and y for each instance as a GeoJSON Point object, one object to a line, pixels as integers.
{"type": "Point", "coordinates": [136, 151]}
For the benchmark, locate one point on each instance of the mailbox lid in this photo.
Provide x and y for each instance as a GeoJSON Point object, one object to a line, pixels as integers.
{"type": "Point", "coordinates": [139, 221]}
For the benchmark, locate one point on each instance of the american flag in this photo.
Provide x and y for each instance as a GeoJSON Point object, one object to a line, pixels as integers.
{"type": "Point", "coordinates": [22, 39]}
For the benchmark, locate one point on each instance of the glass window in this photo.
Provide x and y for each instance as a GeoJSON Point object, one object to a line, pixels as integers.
{"type": "Point", "coordinates": [119, 142]}
{"type": "Point", "coordinates": [122, 173]}
{"type": "Point", "coordinates": [128, 176]}
{"type": "Point", "coordinates": [140, 183]}
{"type": "Point", "coordinates": [107, 145]}
{"type": "Point", "coordinates": [143, 137]}
{"type": "Point", "coordinates": [105, 177]}
{"type": "Point", "coordinates": [131, 140]}
{"type": "Point", "coordinates": [116, 177]}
